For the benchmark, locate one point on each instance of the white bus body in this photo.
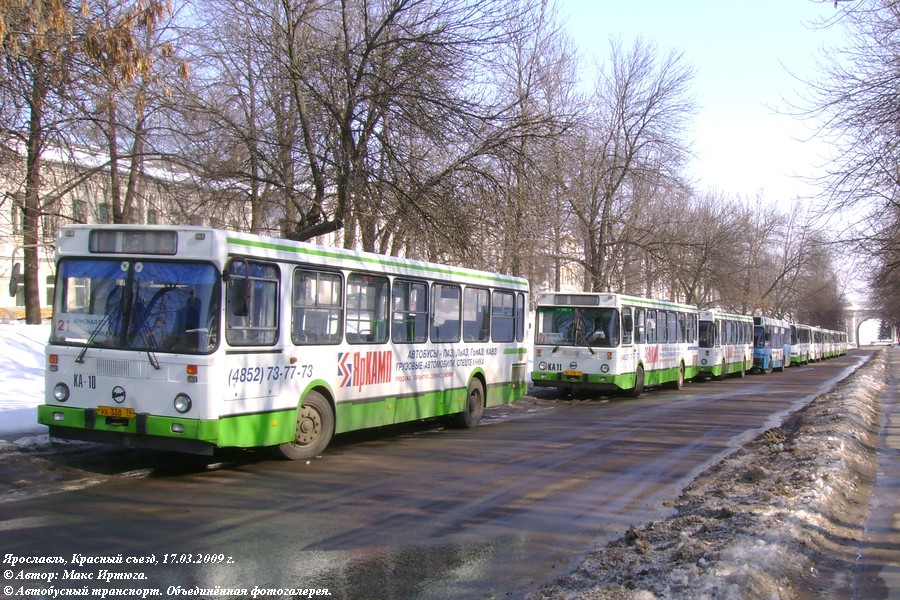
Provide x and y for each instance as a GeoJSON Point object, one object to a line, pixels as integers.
{"type": "Point", "coordinates": [725, 344]}
{"type": "Point", "coordinates": [612, 342]}
{"type": "Point", "coordinates": [191, 338]}
{"type": "Point", "coordinates": [802, 344]}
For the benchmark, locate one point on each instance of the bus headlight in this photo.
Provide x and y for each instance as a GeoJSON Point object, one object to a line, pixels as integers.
{"type": "Point", "coordinates": [604, 368]}
{"type": "Point", "coordinates": [542, 366]}
{"type": "Point", "coordinates": [702, 361]}
{"type": "Point", "coordinates": [61, 392]}
{"type": "Point", "coordinates": [183, 403]}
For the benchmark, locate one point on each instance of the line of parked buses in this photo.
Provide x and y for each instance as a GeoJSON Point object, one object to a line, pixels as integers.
{"type": "Point", "coordinates": [192, 338]}
{"type": "Point", "coordinates": [622, 344]}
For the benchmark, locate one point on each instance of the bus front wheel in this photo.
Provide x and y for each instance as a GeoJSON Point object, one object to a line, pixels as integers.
{"type": "Point", "coordinates": [474, 408]}
{"type": "Point", "coordinates": [315, 427]}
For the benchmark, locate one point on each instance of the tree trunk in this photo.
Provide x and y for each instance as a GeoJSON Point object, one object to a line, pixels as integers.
{"type": "Point", "coordinates": [115, 182]}
{"type": "Point", "coordinates": [31, 208]}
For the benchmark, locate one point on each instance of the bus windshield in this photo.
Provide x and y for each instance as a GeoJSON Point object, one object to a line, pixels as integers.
{"type": "Point", "coordinates": [145, 305]}
{"type": "Point", "coordinates": [760, 337]}
{"type": "Point", "coordinates": [569, 326]}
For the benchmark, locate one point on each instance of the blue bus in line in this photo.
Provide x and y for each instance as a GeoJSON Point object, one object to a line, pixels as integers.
{"type": "Point", "coordinates": [771, 344]}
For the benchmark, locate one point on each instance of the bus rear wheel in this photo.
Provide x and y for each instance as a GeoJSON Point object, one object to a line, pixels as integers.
{"type": "Point", "coordinates": [474, 408]}
{"type": "Point", "coordinates": [721, 375]}
{"type": "Point", "coordinates": [638, 388]}
{"type": "Point", "coordinates": [678, 383]}
{"type": "Point", "coordinates": [315, 427]}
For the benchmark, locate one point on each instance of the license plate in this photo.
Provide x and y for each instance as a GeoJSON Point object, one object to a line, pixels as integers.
{"type": "Point", "coordinates": [117, 412]}
{"type": "Point", "coordinates": [573, 373]}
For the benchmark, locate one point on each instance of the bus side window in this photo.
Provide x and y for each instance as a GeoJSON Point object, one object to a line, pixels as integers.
{"type": "Point", "coordinates": [627, 325]}
{"type": "Point", "coordinates": [476, 315]}
{"type": "Point", "coordinates": [662, 327]}
{"type": "Point", "coordinates": [409, 321]}
{"type": "Point", "coordinates": [316, 307]}
{"type": "Point", "coordinates": [446, 302]}
{"type": "Point", "coordinates": [640, 326]}
{"type": "Point", "coordinates": [503, 324]}
{"type": "Point", "coordinates": [252, 296]}
{"type": "Point", "coordinates": [672, 328]}
{"type": "Point", "coordinates": [651, 326]}
{"type": "Point", "coordinates": [367, 308]}
{"type": "Point", "coordinates": [520, 317]}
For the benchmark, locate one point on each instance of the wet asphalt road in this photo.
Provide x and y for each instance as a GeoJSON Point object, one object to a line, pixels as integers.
{"type": "Point", "coordinates": [411, 512]}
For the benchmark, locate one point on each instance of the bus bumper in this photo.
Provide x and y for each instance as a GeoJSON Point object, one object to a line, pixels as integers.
{"type": "Point", "coordinates": [585, 381]}
{"type": "Point", "coordinates": [144, 431]}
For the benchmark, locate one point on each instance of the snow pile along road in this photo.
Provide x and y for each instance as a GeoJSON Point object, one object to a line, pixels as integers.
{"type": "Point", "coordinates": [780, 518]}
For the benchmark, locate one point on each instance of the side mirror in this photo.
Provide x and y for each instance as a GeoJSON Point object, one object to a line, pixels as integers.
{"type": "Point", "coordinates": [14, 279]}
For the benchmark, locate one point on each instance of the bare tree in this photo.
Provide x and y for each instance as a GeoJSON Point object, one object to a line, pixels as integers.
{"type": "Point", "coordinates": [538, 78]}
{"type": "Point", "coordinates": [854, 103]}
{"type": "Point", "coordinates": [705, 249]}
{"type": "Point", "coordinates": [35, 39]}
{"type": "Point", "coordinates": [239, 128]}
{"type": "Point", "coordinates": [130, 58]}
{"type": "Point", "coordinates": [47, 49]}
{"type": "Point", "coordinates": [636, 137]}
{"type": "Point", "coordinates": [363, 116]}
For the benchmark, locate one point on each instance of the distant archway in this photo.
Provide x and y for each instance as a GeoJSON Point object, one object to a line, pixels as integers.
{"type": "Point", "coordinates": [858, 316]}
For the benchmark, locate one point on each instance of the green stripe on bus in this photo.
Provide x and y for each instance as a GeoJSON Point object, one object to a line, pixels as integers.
{"type": "Point", "coordinates": [278, 427]}
{"type": "Point", "coordinates": [623, 381]}
{"type": "Point", "coordinates": [444, 270]}
{"type": "Point", "coordinates": [515, 351]}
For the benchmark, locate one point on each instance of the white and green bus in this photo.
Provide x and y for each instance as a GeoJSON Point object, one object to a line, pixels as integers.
{"type": "Point", "coordinates": [612, 342]}
{"type": "Point", "coordinates": [831, 343]}
{"type": "Point", "coordinates": [725, 344]}
{"type": "Point", "coordinates": [802, 344]}
{"type": "Point", "coordinates": [192, 338]}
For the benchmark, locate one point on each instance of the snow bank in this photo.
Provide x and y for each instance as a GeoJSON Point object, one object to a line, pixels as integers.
{"type": "Point", "coordinates": [779, 519]}
{"type": "Point", "coordinates": [22, 381]}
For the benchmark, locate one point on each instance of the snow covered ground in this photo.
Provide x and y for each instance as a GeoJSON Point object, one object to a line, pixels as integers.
{"type": "Point", "coordinates": [22, 382]}
{"type": "Point", "coordinates": [782, 518]}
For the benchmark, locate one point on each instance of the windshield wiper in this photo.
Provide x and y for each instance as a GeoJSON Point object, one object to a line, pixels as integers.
{"type": "Point", "coordinates": [92, 337]}
{"type": "Point", "coordinates": [150, 342]}
{"type": "Point", "coordinates": [586, 341]}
